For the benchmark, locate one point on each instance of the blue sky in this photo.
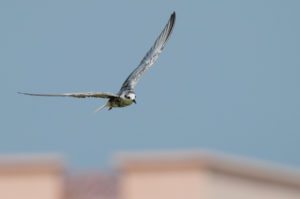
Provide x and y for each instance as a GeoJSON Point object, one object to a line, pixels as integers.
{"type": "Point", "coordinates": [227, 80]}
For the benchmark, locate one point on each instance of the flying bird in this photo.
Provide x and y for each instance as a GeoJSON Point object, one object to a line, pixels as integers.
{"type": "Point", "coordinates": [126, 96]}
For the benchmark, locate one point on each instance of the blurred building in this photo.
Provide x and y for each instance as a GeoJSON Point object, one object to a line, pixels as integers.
{"type": "Point", "coordinates": [203, 175]}
{"type": "Point", "coordinates": [46, 177]}
{"type": "Point", "coordinates": [145, 175]}
{"type": "Point", "coordinates": [31, 177]}
{"type": "Point", "coordinates": [91, 184]}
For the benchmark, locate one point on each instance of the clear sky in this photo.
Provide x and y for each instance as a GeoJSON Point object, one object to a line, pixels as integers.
{"type": "Point", "coordinates": [227, 80]}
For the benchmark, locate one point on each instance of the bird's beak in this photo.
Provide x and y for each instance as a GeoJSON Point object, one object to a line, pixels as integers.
{"type": "Point", "coordinates": [134, 101]}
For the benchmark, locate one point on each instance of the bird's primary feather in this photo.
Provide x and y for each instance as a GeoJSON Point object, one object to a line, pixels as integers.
{"type": "Point", "coordinates": [78, 95]}
{"type": "Point", "coordinates": [150, 57]}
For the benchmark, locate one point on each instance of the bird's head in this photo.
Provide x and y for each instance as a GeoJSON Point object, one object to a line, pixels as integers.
{"type": "Point", "coordinates": [130, 95]}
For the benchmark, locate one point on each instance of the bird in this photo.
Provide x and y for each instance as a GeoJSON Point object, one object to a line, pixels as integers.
{"type": "Point", "coordinates": [126, 95]}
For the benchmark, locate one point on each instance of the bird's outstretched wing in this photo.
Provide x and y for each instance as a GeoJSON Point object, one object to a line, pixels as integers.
{"type": "Point", "coordinates": [78, 95]}
{"type": "Point", "coordinates": [150, 57]}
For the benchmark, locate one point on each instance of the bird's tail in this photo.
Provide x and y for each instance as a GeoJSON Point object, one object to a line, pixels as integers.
{"type": "Point", "coordinates": [100, 108]}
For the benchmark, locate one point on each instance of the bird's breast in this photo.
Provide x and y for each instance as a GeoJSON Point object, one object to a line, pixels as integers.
{"type": "Point", "coordinates": [119, 102]}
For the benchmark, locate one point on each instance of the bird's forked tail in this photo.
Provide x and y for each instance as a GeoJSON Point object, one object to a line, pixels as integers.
{"type": "Point", "coordinates": [100, 108]}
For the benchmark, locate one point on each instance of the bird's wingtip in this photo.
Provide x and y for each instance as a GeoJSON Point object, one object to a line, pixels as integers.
{"type": "Point", "coordinates": [173, 14]}
{"type": "Point", "coordinates": [173, 17]}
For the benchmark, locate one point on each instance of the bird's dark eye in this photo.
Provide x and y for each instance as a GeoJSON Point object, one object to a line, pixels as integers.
{"type": "Point", "coordinates": [127, 97]}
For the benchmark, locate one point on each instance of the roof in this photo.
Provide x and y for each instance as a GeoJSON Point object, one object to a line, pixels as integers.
{"type": "Point", "coordinates": [210, 161]}
{"type": "Point", "coordinates": [31, 163]}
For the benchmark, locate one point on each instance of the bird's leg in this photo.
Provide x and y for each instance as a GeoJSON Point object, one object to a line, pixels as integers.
{"type": "Point", "coordinates": [109, 108]}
